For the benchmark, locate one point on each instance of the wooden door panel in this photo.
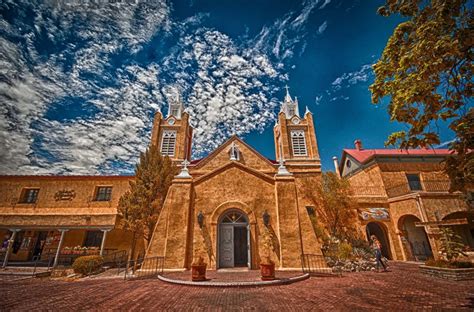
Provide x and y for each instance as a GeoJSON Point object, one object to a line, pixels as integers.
{"type": "Point", "coordinates": [226, 246]}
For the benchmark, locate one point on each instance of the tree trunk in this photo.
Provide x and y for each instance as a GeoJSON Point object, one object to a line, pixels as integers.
{"type": "Point", "coordinates": [133, 246]}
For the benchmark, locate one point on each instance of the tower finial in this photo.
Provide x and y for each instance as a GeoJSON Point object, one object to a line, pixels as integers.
{"type": "Point", "coordinates": [287, 96]}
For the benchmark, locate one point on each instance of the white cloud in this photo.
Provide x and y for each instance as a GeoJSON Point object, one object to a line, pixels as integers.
{"type": "Point", "coordinates": [322, 27]}
{"type": "Point", "coordinates": [351, 78]}
{"type": "Point", "coordinates": [221, 93]}
{"type": "Point", "coordinates": [228, 86]}
{"type": "Point", "coordinates": [326, 2]}
{"type": "Point", "coordinates": [305, 12]}
{"type": "Point", "coordinates": [344, 81]}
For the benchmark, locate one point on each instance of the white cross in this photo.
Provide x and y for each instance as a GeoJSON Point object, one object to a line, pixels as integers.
{"type": "Point", "coordinates": [185, 164]}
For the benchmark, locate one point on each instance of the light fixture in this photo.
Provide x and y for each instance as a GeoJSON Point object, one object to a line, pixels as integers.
{"type": "Point", "coordinates": [200, 219]}
{"type": "Point", "coordinates": [266, 218]}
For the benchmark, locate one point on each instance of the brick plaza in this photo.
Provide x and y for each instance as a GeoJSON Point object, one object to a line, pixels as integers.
{"type": "Point", "coordinates": [402, 289]}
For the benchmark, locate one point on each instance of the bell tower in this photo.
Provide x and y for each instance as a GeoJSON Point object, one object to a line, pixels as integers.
{"type": "Point", "coordinates": [173, 134]}
{"type": "Point", "coordinates": [295, 137]}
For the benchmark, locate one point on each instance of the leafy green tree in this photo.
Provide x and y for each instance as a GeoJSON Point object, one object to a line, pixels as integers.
{"type": "Point", "coordinates": [426, 72]}
{"type": "Point", "coordinates": [140, 207]}
{"type": "Point", "coordinates": [451, 243]}
{"type": "Point", "coordinates": [334, 206]}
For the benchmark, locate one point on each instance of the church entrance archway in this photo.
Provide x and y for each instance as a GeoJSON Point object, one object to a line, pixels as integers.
{"type": "Point", "coordinates": [233, 240]}
{"type": "Point", "coordinates": [415, 239]}
{"type": "Point", "coordinates": [374, 228]}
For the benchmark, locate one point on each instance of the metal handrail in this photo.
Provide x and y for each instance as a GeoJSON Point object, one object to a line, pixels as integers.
{"type": "Point", "coordinates": [315, 264]}
{"type": "Point", "coordinates": [144, 267]}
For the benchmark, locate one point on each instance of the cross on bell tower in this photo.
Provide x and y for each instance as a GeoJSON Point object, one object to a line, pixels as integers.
{"type": "Point", "coordinates": [175, 107]}
{"type": "Point", "coordinates": [289, 106]}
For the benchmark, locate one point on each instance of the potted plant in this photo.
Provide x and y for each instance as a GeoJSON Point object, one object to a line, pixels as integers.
{"type": "Point", "coordinates": [198, 267]}
{"type": "Point", "coordinates": [267, 266]}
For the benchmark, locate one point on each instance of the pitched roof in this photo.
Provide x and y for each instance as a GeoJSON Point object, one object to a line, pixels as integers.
{"type": "Point", "coordinates": [204, 160]}
{"type": "Point", "coordinates": [363, 155]}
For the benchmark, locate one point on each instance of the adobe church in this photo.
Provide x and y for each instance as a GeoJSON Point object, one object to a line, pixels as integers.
{"type": "Point", "coordinates": [220, 204]}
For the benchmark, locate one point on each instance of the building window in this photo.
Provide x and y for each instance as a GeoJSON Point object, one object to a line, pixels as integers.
{"type": "Point", "coordinates": [93, 239]}
{"type": "Point", "coordinates": [234, 152]}
{"type": "Point", "coordinates": [168, 143]}
{"type": "Point", "coordinates": [291, 110]}
{"type": "Point", "coordinates": [298, 143]}
{"type": "Point", "coordinates": [103, 193]}
{"type": "Point", "coordinates": [175, 111]}
{"type": "Point", "coordinates": [414, 182]}
{"type": "Point", "coordinates": [29, 196]}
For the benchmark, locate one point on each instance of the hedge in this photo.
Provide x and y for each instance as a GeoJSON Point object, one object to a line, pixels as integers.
{"type": "Point", "coordinates": [88, 264]}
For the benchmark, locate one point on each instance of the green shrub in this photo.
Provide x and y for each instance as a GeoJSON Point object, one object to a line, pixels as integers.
{"type": "Point", "coordinates": [344, 251]}
{"type": "Point", "coordinates": [339, 251]}
{"type": "Point", "coordinates": [87, 264]}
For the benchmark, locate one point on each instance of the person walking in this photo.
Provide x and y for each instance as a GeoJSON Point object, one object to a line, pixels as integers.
{"type": "Point", "coordinates": [377, 247]}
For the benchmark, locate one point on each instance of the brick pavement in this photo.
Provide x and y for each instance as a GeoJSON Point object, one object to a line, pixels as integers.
{"type": "Point", "coordinates": [230, 276]}
{"type": "Point", "coordinates": [402, 289]}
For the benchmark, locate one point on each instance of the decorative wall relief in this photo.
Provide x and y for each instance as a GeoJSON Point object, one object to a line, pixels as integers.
{"type": "Point", "coordinates": [65, 195]}
{"type": "Point", "coordinates": [374, 214]}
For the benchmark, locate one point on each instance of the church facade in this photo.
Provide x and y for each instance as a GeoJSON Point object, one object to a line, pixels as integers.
{"type": "Point", "coordinates": [219, 205]}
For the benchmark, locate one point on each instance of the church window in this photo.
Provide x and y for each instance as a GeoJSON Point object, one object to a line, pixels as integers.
{"type": "Point", "coordinates": [291, 110]}
{"type": "Point", "coordinates": [175, 111]}
{"type": "Point", "coordinates": [168, 143]}
{"type": "Point", "coordinates": [29, 196]}
{"type": "Point", "coordinates": [103, 193]}
{"type": "Point", "coordinates": [298, 143]}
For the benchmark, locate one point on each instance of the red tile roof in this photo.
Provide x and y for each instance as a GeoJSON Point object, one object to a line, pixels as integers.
{"type": "Point", "coordinates": [365, 154]}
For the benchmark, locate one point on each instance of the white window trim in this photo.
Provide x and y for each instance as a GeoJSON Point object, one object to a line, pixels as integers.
{"type": "Point", "coordinates": [298, 143]}
{"type": "Point", "coordinates": [168, 143]}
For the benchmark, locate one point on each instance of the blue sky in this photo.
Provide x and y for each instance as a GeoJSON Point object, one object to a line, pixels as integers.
{"type": "Point", "coordinates": [79, 83]}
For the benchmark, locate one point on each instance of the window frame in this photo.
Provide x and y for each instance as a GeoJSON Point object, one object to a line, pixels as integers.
{"type": "Point", "coordinates": [420, 185]}
{"type": "Point", "coordinates": [24, 195]}
{"type": "Point", "coordinates": [107, 195]}
{"type": "Point", "coordinates": [171, 136]}
{"type": "Point", "coordinates": [296, 150]}
{"type": "Point", "coordinates": [93, 238]}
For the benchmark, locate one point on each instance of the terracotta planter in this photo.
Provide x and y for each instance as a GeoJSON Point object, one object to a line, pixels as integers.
{"type": "Point", "coordinates": [267, 271]}
{"type": "Point", "coordinates": [198, 272]}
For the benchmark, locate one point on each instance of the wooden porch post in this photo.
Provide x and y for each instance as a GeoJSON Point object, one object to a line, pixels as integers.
{"type": "Point", "coordinates": [103, 241]}
{"type": "Point", "coordinates": [11, 240]}
{"type": "Point", "coordinates": [61, 240]}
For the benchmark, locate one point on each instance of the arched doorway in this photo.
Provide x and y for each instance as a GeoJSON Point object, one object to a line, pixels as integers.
{"type": "Point", "coordinates": [374, 228]}
{"type": "Point", "coordinates": [233, 240]}
{"type": "Point", "coordinates": [416, 240]}
{"type": "Point", "coordinates": [465, 231]}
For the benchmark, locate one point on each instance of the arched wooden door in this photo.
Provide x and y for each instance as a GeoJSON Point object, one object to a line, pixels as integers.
{"type": "Point", "coordinates": [233, 240]}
